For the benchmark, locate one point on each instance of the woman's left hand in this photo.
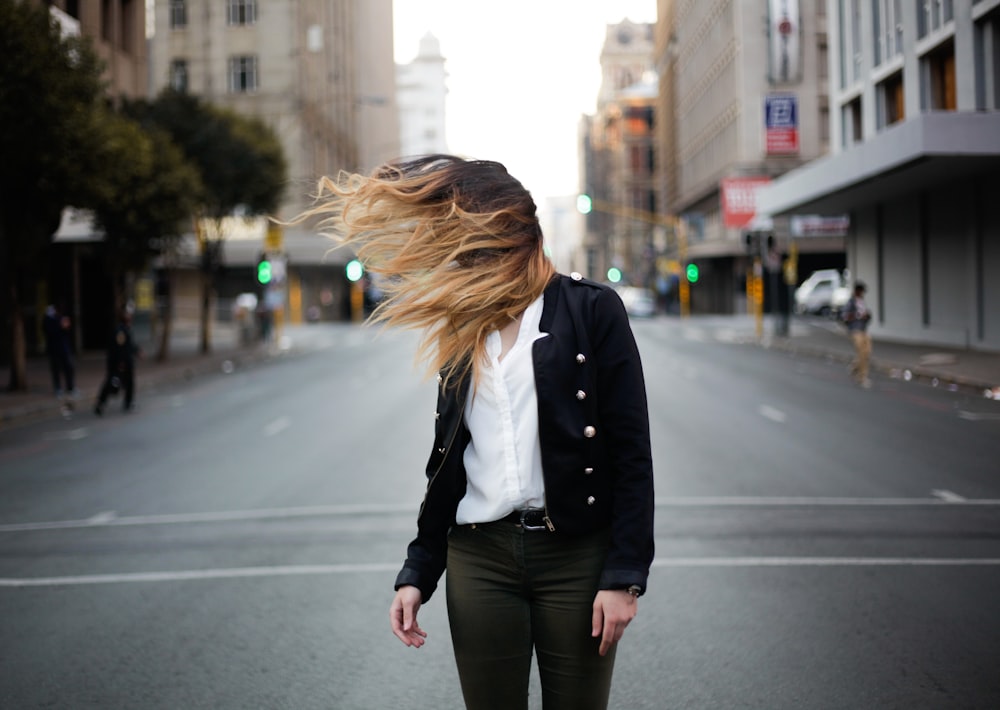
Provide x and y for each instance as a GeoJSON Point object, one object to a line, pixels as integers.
{"type": "Point", "coordinates": [613, 610]}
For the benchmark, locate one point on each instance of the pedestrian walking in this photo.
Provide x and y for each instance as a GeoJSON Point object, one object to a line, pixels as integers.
{"type": "Point", "coordinates": [120, 370]}
{"type": "Point", "coordinates": [59, 348]}
{"type": "Point", "coordinates": [856, 318]}
{"type": "Point", "coordinates": [539, 498]}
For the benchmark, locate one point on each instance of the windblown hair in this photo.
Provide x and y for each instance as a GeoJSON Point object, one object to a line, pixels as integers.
{"type": "Point", "coordinates": [456, 242]}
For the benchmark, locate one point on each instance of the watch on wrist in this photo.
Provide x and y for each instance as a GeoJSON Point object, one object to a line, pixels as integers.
{"type": "Point", "coordinates": [634, 589]}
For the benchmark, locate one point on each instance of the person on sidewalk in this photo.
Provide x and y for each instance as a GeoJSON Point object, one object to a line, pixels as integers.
{"type": "Point", "coordinates": [856, 318]}
{"type": "Point", "coordinates": [540, 483]}
{"type": "Point", "coordinates": [120, 373]}
{"type": "Point", "coordinates": [59, 348]}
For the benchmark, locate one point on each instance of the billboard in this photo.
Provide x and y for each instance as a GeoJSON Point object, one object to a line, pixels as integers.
{"type": "Point", "coordinates": [784, 32]}
{"type": "Point", "coordinates": [781, 124]}
{"type": "Point", "coordinates": [739, 200]}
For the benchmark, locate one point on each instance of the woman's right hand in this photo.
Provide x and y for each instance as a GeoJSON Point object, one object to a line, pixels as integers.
{"type": "Point", "coordinates": [403, 616]}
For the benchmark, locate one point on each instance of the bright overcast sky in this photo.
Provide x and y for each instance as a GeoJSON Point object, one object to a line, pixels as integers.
{"type": "Point", "coordinates": [520, 75]}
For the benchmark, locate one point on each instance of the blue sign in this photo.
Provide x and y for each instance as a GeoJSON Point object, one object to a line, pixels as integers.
{"type": "Point", "coordinates": [781, 111]}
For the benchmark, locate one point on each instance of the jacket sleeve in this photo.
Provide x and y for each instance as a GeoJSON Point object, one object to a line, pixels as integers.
{"type": "Point", "coordinates": [427, 553]}
{"type": "Point", "coordinates": [624, 417]}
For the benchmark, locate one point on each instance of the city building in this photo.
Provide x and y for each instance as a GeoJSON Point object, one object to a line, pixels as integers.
{"type": "Point", "coordinates": [915, 164]}
{"type": "Point", "coordinates": [117, 32]}
{"type": "Point", "coordinates": [321, 74]}
{"type": "Point", "coordinates": [618, 161]}
{"type": "Point", "coordinates": [742, 100]}
{"type": "Point", "coordinates": [421, 91]}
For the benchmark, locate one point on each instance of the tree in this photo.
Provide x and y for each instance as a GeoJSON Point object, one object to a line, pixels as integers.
{"type": "Point", "coordinates": [50, 87]}
{"type": "Point", "coordinates": [241, 164]}
{"type": "Point", "coordinates": [144, 202]}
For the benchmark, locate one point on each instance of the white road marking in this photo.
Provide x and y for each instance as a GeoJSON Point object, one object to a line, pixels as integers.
{"type": "Point", "coordinates": [947, 496]}
{"type": "Point", "coordinates": [277, 426]}
{"type": "Point", "coordinates": [214, 516]}
{"type": "Point", "coordinates": [775, 415]}
{"type": "Point", "coordinates": [111, 519]}
{"type": "Point", "coordinates": [382, 568]}
{"type": "Point", "coordinates": [978, 417]}
{"type": "Point", "coordinates": [70, 434]}
{"type": "Point", "coordinates": [805, 501]}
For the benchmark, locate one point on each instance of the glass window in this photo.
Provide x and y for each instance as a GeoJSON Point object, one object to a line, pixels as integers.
{"type": "Point", "coordinates": [851, 123]}
{"type": "Point", "coordinates": [178, 14]}
{"type": "Point", "coordinates": [987, 60]}
{"type": "Point", "coordinates": [940, 73]}
{"type": "Point", "coordinates": [241, 12]}
{"type": "Point", "coordinates": [242, 74]}
{"type": "Point", "coordinates": [179, 75]}
{"type": "Point", "coordinates": [890, 101]}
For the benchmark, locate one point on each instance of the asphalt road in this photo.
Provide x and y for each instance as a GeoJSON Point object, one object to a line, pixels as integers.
{"type": "Point", "coordinates": [232, 544]}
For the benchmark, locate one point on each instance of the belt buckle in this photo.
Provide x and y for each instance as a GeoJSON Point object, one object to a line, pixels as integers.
{"type": "Point", "coordinates": [533, 511]}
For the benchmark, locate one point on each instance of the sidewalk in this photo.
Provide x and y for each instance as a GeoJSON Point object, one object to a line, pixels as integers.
{"type": "Point", "coordinates": [185, 363]}
{"type": "Point", "coordinates": [971, 371]}
{"type": "Point", "coordinates": [976, 373]}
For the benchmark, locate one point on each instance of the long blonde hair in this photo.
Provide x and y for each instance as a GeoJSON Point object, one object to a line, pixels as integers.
{"type": "Point", "coordinates": [457, 243]}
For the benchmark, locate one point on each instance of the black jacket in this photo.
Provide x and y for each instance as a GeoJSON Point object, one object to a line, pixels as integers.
{"type": "Point", "coordinates": [594, 433]}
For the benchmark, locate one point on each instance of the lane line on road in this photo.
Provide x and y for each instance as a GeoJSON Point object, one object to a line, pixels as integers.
{"type": "Point", "coordinates": [277, 426]}
{"type": "Point", "coordinates": [383, 568]}
{"type": "Point", "coordinates": [111, 519]}
{"type": "Point", "coordinates": [104, 520]}
{"type": "Point", "coordinates": [946, 495]}
{"type": "Point", "coordinates": [809, 501]}
{"type": "Point", "coordinates": [775, 415]}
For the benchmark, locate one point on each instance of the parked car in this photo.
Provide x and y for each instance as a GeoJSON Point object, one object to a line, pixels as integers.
{"type": "Point", "coordinates": [639, 302]}
{"type": "Point", "coordinates": [825, 293]}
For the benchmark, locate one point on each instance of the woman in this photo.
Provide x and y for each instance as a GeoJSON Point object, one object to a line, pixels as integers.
{"type": "Point", "coordinates": [540, 487]}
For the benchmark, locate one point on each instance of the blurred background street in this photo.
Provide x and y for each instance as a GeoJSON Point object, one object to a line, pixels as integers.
{"type": "Point", "coordinates": [732, 169]}
{"type": "Point", "coordinates": [232, 543]}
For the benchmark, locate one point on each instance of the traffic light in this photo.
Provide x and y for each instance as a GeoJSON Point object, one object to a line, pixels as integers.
{"type": "Point", "coordinates": [264, 271]}
{"type": "Point", "coordinates": [354, 270]}
{"type": "Point", "coordinates": [691, 271]}
{"type": "Point", "coordinates": [584, 204]}
{"type": "Point", "coordinates": [614, 275]}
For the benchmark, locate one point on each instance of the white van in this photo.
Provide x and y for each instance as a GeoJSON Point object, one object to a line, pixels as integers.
{"type": "Point", "coordinates": [825, 293]}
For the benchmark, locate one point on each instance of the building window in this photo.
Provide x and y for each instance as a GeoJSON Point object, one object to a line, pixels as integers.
{"type": "Point", "coordinates": [242, 74]}
{"type": "Point", "coordinates": [851, 123]}
{"type": "Point", "coordinates": [241, 12]}
{"type": "Point", "coordinates": [824, 121]}
{"type": "Point", "coordinates": [887, 16]}
{"type": "Point", "coordinates": [843, 53]}
{"type": "Point", "coordinates": [931, 14]}
{"type": "Point", "coordinates": [179, 75]}
{"type": "Point", "coordinates": [890, 101]}
{"type": "Point", "coordinates": [939, 73]}
{"type": "Point", "coordinates": [178, 14]}
{"type": "Point", "coordinates": [856, 39]}
{"type": "Point", "coordinates": [987, 61]}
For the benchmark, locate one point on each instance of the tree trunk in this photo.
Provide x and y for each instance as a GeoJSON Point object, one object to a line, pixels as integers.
{"type": "Point", "coordinates": [18, 346]}
{"type": "Point", "coordinates": [206, 314]}
{"type": "Point", "coordinates": [166, 313]}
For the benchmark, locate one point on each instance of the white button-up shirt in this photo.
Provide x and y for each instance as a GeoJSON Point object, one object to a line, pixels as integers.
{"type": "Point", "coordinates": [503, 461]}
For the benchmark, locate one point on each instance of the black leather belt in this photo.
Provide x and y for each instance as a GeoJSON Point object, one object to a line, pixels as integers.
{"type": "Point", "coordinates": [528, 519]}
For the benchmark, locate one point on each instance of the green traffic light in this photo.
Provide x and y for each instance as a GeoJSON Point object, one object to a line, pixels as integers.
{"type": "Point", "coordinates": [584, 205]}
{"type": "Point", "coordinates": [692, 273]}
{"type": "Point", "coordinates": [264, 272]}
{"type": "Point", "coordinates": [614, 275]}
{"type": "Point", "coordinates": [354, 270]}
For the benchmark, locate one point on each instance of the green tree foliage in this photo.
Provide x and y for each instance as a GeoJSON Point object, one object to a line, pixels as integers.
{"type": "Point", "coordinates": [49, 88]}
{"type": "Point", "coordinates": [145, 198]}
{"type": "Point", "coordinates": [240, 161]}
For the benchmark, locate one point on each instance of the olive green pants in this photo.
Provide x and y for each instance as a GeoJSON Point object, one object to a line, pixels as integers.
{"type": "Point", "coordinates": [511, 591]}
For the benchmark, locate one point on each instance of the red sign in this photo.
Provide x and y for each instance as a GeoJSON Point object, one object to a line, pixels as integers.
{"type": "Point", "coordinates": [739, 200]}
{"type": "Point", "coordinates": [782, 141]}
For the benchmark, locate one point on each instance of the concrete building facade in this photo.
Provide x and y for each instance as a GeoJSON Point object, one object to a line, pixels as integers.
{"type": "Point", "coordinates": [915, 127]}
{"type": "Point", "coordinates": [743, 97]}
{"type": "Point", "coordinates": [321, 74]}
{"type": "Point", "coordinates": [618, 161]}
{"type": "Point", "coordinates": [422, 91]}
